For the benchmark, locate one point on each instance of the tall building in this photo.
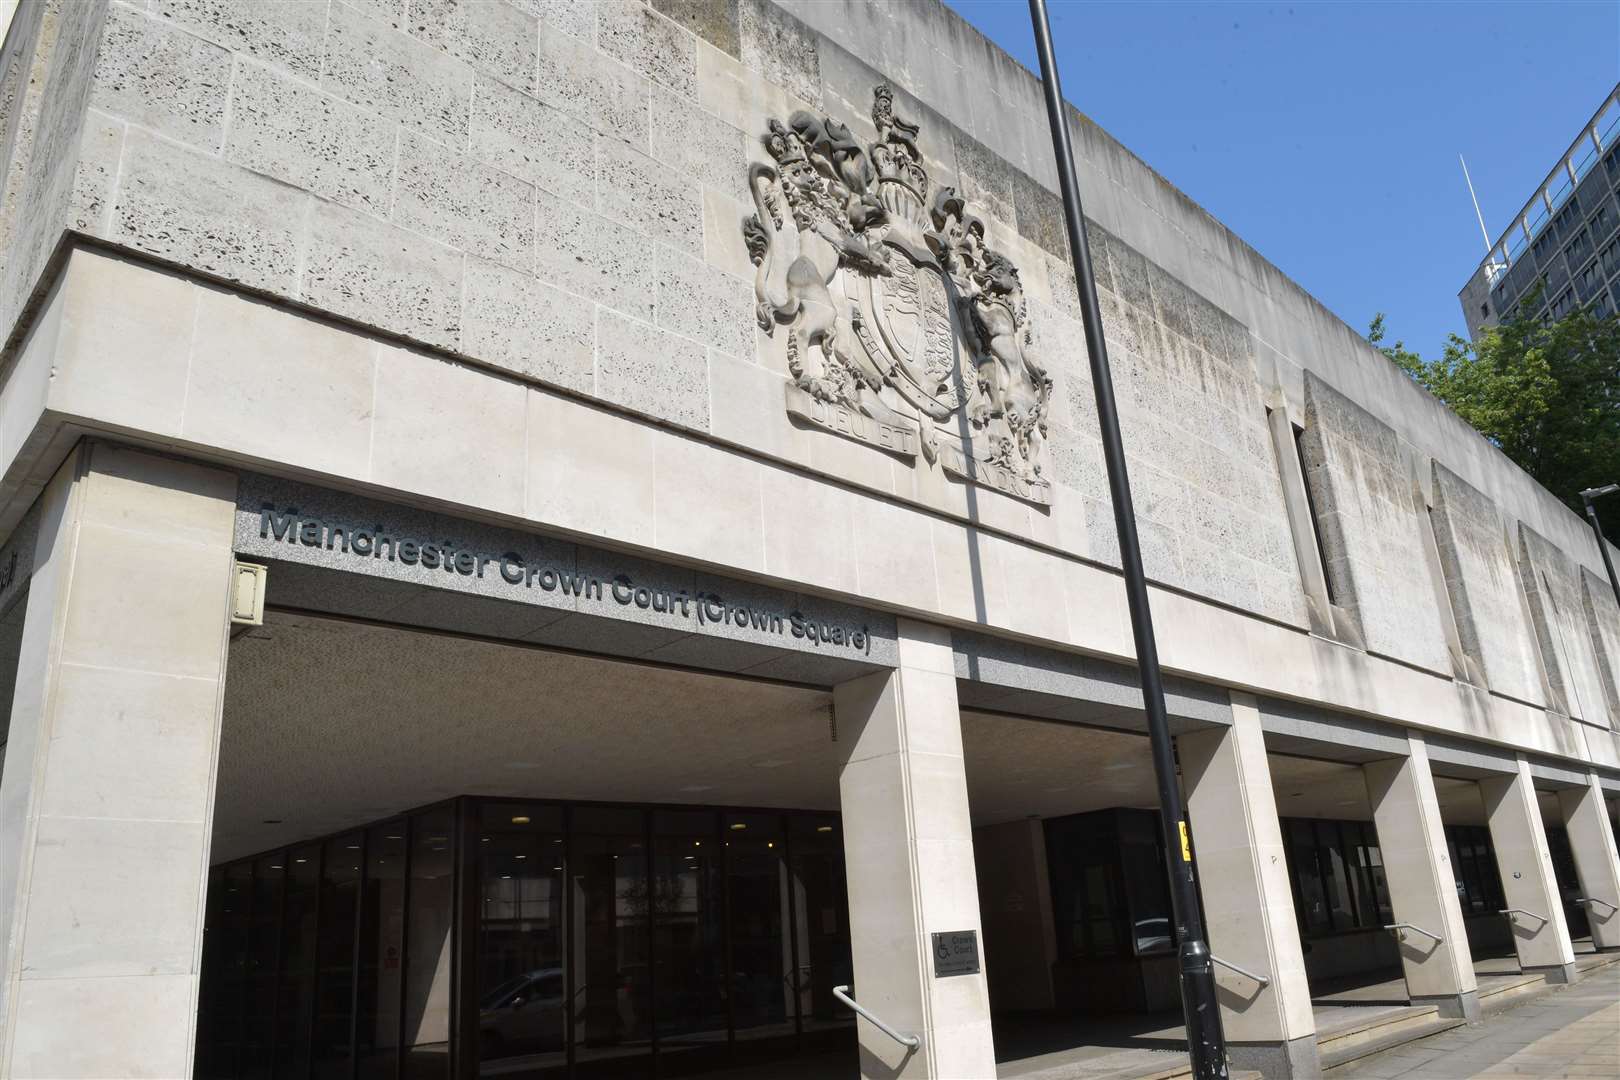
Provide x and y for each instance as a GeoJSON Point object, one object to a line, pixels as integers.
{"type": "Point", "coordinates": [569, 540]}
{"type": "Point", "coordinates": [1566, 238]}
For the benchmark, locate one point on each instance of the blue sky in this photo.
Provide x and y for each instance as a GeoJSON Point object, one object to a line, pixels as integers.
{"type": "Point", "coordinates": [1327, 134]}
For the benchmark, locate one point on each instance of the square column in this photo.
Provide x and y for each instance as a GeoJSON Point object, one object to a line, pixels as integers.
{"type": "Point", "coordinates": [1248, 899]}
{"type": "Point", "coordinates": [1597, 864]}
{"type": "Point", "coordinates": [1541, 937]}
{"type": "Point", "coordinates": [908, 854]}
{"type": "Point", "coordinates": [108, 785]}
{"type": "Point", "coordinates": [1422, 887]}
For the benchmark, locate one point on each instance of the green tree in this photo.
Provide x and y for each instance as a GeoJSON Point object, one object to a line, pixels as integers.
{"type": "Point", "coordinates": [1547, 393]}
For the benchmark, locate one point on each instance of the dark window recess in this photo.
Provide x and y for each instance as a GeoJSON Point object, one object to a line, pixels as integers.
{"type": "Point", "coordinates": [530, 939]}
{"type": "Point", "coordinates": [1544, 246]}
{"type": "Point", "coordinates": [1473, 865]}
{"type": "Point", "coordinates": [1567, 218]}
{"type": "Point", "coordinates": [1563, 305]}
{"type": "Point", "coordinates": [1602, 221]}
{"type": "Point", "coordinates": [1589, 281]}
{"type": "Point", "coordinates": [1610, 258]}
{"type": "Point", "coordinates": [1109, 894]}
{"type": "Point", "coordinates": [1310, 507]}
{"type": "Point", "coordinates": [1338, 875]}
{"type": "Point", "coordinates": [1579, 248]}
{"type": "Point", "coordinates": [1485, 311]}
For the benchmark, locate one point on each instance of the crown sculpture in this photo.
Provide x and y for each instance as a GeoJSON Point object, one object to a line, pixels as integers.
{"type": "Point", "coordinates": [903, 328]}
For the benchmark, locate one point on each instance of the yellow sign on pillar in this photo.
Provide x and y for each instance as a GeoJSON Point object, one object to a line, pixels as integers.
{"type": "Point", "coordinates": [1186, 843]}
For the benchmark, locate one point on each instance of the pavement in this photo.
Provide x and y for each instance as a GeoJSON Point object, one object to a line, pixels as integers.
{"type": "Point", "coordinates": [1570, 1031]}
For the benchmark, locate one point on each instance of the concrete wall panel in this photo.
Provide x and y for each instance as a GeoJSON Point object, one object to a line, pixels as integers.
{"type": "Point", "coordinates": [1370, 520]}
{"type": "Point", "coordinates": [1557, 609]}
{"type": "Point", "coordinates": [1483, 584]}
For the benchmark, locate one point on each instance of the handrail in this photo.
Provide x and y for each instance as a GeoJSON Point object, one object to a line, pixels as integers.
{"type": "Point", "coordinates": [1228, 965]}
{"type": "Point", "coordinates": [1595, 900]}
{"type": "Point", "coordinates": [1399, 926]}
{"type": "Point", "coordinates": [909, 1041]}
{"type": "Point", "coordinates": [1521, 911]}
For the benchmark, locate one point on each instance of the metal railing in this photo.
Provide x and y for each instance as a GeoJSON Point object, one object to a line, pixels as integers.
{"type": "Point", "coordinates": [1510, 911]}
{"type": "Point", "coordinates": [911, 1042]}
{"type": "Point", "coordinates": [1245, 972]}
{"type": "Point", "coordinates": [1399, 926]}
{"type": "Point", "coordinates": [1595, 900]}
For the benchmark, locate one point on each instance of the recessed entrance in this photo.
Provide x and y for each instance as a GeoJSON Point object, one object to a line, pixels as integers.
{"type": "Point", "coordinates": [439, 855]}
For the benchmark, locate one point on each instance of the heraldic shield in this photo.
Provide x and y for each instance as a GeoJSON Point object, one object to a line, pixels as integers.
{"type": "Point", "coordinates": [903, 328]}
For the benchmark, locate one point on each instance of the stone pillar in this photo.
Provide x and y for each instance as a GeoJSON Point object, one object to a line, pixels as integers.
{"type": "Point", "coordinates": [108, 787]}
{"type": "Point", "coordinates": [908, 853]}
{"type": "Point", "coordinates": [1520, 842]}
{"type": "Point", "coordinates": [1248, 899]}
{"type": "Point", "coordinates": [1597, 864]}
{"type": "Point", "coordinates": [1422, 888]}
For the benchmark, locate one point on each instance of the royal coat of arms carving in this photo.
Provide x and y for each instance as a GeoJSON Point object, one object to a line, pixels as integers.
{"type": "Point", "coordinates": [903, 328]}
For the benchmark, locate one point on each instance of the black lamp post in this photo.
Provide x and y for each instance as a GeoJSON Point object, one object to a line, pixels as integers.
{"type": "Point", "coordinates": [1206, 1044]}
{"type": "Point", "coordinates": [1603, 548]}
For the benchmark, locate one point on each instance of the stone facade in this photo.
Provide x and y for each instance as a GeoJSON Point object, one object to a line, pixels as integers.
{"type": "Point", "coordinates": [562, 224]}
{"type": "Point", "coordinates": [1483, 586]}
{"type": "Point", "coordinates": [1557, 606]}
{"type": "Point", "coordinates": [493, 265]}
{"type": "Point", "coordinates": [1367, 507]}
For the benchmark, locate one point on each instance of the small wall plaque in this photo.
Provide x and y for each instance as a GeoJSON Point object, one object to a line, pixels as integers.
{"type": "Point", "coordinates": [956, 952]}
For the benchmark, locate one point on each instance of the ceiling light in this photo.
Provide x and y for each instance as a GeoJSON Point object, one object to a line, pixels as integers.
{"type": "Point", "coordinates": [556, 868]}
{"type": "Point", "coordinates": [354, 847]}
{"type": "Point", "coordinates": [770, 843]}
{"type": "Point", "coordinates": [520, 819]}
{"type": "Point", "coordinates": [823, 828]}
{"type": "Point", "coordinates": [300, 860]}
{"type": "Point", "coordinates": [506, 877]}
{"type": "Point", "coordinates": [738, 826]}
{"type": "Point", "coordinates": [393, 838]}
{"type": "Point", "coordinates": [697, 843]}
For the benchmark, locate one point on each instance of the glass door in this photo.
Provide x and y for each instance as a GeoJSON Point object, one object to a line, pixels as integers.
{"type": "Point", "coordinates": [611, 1008]}
{"type": "Point", "coordinates": [521, 961]}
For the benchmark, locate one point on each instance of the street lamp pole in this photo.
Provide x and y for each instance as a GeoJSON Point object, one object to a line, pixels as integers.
{"type": "Point", "coordinates": [1206, 1044]}
{"type": "Point", "coordinates": [1603, 548]}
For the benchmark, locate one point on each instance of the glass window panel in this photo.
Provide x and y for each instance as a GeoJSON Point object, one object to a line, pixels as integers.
{"type": "Point", "coordinates": [522, 977]}
{"type": "Point", "coordinates": [300, 897]}
{"type": "Point", "coordinates": [612, 1004]}
{"type": "Point", "coordinates": [219, 1003]}
{"type": "Point", "coordinates": [689, 945]}
{"type": "Point", "coordinates": [259, 980]}
{"type": "Point", "coordinates": [1336, 879]}
{"type": "Point", "coordinates": [382, 930]}
{"type": "Point", "coordinates": [332, 1043]}
{"type": "Point", "coordinates": [1307, 873]}
{"type": "Point", "coordinates": [761, 956]}
{"type": "Point", "coordinates": [428, 934]}
{"type": "Point", "coordinates": [1146, 888]}
{"type": "Point", "coordinates": [1357, 850]}
{"type": "Point", "coordinates": [822, 927]}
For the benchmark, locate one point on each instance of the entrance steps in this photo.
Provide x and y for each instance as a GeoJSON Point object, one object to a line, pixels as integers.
{"type": "Point", "coordinates": [1510, 991]}
{"type": "Point", "coordinates": [1389, 1029]}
